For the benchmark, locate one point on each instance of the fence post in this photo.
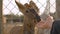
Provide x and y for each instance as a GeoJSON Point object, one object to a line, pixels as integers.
{"type": "Point", "coordinates": [1, 29]}
{"type": "Point", "coordinates": [58, 9]}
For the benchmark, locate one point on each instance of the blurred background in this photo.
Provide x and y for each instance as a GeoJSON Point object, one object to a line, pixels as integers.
{"type": "Point", "coordinates": [11, 16]}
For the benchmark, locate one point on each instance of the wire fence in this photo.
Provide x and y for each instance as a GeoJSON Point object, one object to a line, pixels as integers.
{"type": "Point", "coordinates": [10, 7]}
{"type": "Point", "coordinates": [12, 14]}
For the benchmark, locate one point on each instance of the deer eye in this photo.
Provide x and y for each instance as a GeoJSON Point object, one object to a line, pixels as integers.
{"type": "Point", "coordinates": [27, 11]}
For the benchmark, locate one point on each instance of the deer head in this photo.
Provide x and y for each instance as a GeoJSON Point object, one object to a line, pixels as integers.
{"type": "Point", "coordinates": [30, 10]}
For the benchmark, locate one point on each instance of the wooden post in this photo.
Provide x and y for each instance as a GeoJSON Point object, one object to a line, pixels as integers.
{"type": "Point", "coordinates": [58, 9]}
{"type": "Point", "coordinates": [1, 29]}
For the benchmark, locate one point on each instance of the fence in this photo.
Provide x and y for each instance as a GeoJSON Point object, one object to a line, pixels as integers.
{"type": "Point", "coordinates": [11, 12]}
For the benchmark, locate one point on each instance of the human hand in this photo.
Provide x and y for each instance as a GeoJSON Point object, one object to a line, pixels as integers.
{"type": "Point", "coordinates": [45, 24]}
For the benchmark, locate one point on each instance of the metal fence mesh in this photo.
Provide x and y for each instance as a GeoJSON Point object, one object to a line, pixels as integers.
{"type": "Point", "coordinates": [10, 8]}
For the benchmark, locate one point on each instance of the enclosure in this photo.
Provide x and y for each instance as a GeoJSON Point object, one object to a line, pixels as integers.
{"type": "Point", "coordinates": [11, 18]}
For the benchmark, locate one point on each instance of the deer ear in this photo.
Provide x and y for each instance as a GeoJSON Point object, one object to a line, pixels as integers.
{"type": "Point", "coordinates": [34, 6]}
{"type": "Point", "coordinates": [20, 6]}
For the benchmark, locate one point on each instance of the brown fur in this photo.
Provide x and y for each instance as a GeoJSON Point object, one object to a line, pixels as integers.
{"type": "Point", "coordinates": [16, 30]}
{"type": "Point", "coordinates": [29, 22]}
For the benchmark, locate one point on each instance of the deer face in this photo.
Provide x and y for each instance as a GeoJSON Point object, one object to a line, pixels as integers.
{"type": "Point", "coordinates": [29, 10]}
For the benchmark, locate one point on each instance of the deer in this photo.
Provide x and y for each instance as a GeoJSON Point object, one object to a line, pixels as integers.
{"type": "Point", "coordinates": [31, 17]}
